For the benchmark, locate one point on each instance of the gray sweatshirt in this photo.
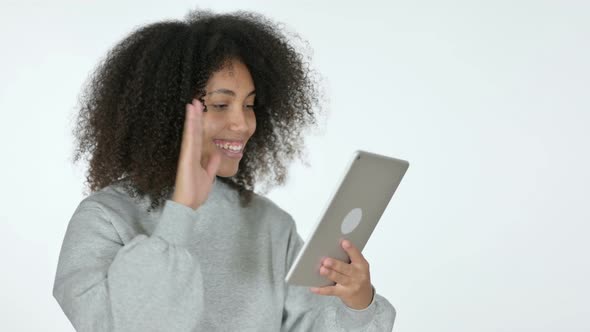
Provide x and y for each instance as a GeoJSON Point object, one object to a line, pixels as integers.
{"type": "Point", "coordinates": [220, 267]}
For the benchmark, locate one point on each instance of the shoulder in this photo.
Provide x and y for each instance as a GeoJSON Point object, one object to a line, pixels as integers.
{"type": "Point", "coordinates": [113, 202]}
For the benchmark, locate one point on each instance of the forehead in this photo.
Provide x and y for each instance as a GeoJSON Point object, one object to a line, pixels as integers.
{"type": "Point", "coordinates": [233, 76]}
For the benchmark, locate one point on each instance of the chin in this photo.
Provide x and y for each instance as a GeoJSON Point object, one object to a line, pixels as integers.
{"type": "Point", "coordinates": [227, 172]}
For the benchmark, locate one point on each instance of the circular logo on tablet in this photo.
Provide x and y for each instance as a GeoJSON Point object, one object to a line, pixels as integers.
{"type": "Point", "coordinates": [352, 219]}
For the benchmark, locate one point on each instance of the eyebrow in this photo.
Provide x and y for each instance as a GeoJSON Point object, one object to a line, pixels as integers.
{"type": "Point", "coordinates": [229, 92]}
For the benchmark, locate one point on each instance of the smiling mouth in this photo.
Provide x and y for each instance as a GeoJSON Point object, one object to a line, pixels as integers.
{"type": "Point", "coordinates": [233, 149]}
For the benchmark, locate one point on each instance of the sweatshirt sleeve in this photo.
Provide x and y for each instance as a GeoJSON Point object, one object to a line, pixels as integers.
{"type": "Point", "coordinates": [152, 283]}
{"type": "Point", "coordinates": [306, 311]}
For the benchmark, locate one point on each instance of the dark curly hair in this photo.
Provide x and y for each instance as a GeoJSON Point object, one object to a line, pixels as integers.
{"type": "Point", "coordinates": [132, 111]}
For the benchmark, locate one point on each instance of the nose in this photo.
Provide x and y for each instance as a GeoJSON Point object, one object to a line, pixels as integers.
{"type": "Point", "coordinates": [237, 120]}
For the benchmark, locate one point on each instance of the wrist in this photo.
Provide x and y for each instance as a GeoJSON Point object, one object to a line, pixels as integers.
{"type": "Point", "coordinates": [362, 301]}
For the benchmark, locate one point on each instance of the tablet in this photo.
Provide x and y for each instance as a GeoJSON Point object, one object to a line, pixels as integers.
{"type": "Point", "coordinates": [352, 213]}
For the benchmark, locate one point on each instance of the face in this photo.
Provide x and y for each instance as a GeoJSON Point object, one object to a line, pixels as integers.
{"type": "Point", "coordinates": [229, 121]}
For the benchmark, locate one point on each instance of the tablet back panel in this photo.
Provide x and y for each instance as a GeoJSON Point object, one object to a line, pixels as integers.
{"type": "Point", "coordinates": [353, 212]}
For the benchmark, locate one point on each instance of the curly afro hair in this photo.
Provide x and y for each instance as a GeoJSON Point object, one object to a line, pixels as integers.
{"type": "Point", "coordinates": [132, 110]}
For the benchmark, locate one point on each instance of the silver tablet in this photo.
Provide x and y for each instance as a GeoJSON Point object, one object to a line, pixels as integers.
{"type": "Point", "coordinates": [353, 212]}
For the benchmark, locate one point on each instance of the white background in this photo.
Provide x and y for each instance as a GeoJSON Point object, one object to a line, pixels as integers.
{"type": "Point", "coordinates": [487, 100]}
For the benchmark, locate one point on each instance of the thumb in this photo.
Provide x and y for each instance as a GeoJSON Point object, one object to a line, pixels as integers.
{"type": "Point", "coordinates": [213, 165]}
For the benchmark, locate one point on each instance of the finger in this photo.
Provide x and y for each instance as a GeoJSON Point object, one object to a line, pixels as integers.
{"type": "Point", "coordinates": [197, 132]}
{"type": "Point", "coordinates": [326, 290]}
{"type": "Point", "coordinates": [336, 276]}
{"type": "Point", "coordinates": [198, 124]}
{"type": "Point", "coordinates": [191, 136]}
{"type": "Point", "coordinates": [339, 266]}
{"type": "Point", "coordinates": [355, 255]}
{"type": "Point", "coordinates": [199, 104]}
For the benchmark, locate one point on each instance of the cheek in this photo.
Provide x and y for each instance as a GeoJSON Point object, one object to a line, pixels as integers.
{"type": "Point", "coordinates": [209, 129]}
{"type": "Point", "coordinates": [211, 126]}
{"type": "Point", "coordinates": [252, 123]}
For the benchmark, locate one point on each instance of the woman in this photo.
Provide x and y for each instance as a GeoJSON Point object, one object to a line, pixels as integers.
{"type": "Point", "coordinates": [181, 120]}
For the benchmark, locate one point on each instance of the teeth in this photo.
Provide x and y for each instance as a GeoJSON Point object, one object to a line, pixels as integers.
{"type": "Point", "coordinates": [228, 146]}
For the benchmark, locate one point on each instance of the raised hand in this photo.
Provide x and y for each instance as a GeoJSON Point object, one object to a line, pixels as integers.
{"type": "Point", "coordinates": [194, 177]}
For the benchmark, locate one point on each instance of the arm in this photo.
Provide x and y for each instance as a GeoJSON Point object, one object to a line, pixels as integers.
{"type": "Point", "coordinates": [306, 311]}
{"type": "Point", "coordinates": [150, 284]}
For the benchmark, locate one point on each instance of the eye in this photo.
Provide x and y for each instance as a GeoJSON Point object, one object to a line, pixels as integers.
{"type": "Point", "coordinates": [254, 105]}
{"type": "Point", "coordinates": [220, 106]}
